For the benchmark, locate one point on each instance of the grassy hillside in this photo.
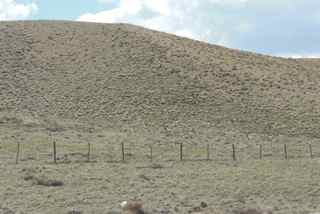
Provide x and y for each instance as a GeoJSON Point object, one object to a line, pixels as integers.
{"type": "Point", "coordinates": [122, 75]}
{"type": "Point", "coordinates": [113, 83]}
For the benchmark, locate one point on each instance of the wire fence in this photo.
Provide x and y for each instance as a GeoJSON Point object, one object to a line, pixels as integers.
{"type": "Point", "coordinates": [60, 152]}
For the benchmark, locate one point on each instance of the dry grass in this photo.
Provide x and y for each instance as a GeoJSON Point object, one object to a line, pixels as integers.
{"type": "Point", "coordinates": [110, 83]}
{"type": "Point", "coordinates": [37, 177]}
{"type": "Point", "coordinates": [289, 187]}
{"type": "Point", "coordinates": [127, 77]}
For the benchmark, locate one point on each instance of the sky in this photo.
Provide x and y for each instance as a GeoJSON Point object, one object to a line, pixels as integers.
{"type": "Point", "coordinates": [289, 28]}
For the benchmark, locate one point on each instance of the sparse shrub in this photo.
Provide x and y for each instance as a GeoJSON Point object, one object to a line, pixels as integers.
{"type": "Point", "coordinates": [6, 211]}
{"type": "Point", "coordinates": [53, 126]}
{"type": "Point", "coordinates": [156, 166]}
{"type": "Point", "coordinates": [41, 180]}
{"type": "Point", "coordinates": [253, 211]}
{"type": "Point", "coordinates": [28, 177]}
{"type": "Point", "coordinates": [74, 211]}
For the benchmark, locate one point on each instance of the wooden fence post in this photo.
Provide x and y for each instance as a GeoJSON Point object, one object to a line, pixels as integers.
{"type": "Point", "coordinates": [285, 151]}
{"type": "Point", "coordinates": [54, 152]}
{"type": "Point", "coordinates": [208, 152]}
{"type": "Point", "coordinates": [181, 151]}
{"type": "Point", "coordinates": [122, 151]}
{"type": "Point", "coordinates": [233, 152]}
{"type": "Point", "coordinates": [260, 152]}
{"type": "Point", "coordinates": [310, 150]}
{"type": "Point", "coordinates": [151, 158]}
{"type": "Point", "coordinates": [89, 151]}
{"type": "Point", "coordinates": [18, 153]}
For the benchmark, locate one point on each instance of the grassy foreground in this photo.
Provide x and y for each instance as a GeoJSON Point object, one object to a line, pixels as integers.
{"type": "Point", "coordinates": [287, 186]}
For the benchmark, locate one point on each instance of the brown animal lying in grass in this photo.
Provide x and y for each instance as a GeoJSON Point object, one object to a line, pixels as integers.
{"type": "Point", "coordinates": [132, 207]}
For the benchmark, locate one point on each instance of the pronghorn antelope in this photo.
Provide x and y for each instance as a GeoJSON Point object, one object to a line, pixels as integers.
{"type": "Point", "coordinates": [132, 207]}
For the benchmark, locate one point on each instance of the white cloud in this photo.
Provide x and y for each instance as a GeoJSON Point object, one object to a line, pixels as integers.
{"type": "Point", "coordinates": [11, 9]}
{"type": "Point", "coordinates": [162, 7]}
{"type": "Point", "coordinates": [300, 56]}
{"type": "Point", "coordinates": [185, 33]}
{"type": "Point", "coordinates": [228, 2]}
{"type": "Point", "coordinates": [265, 26]}
{"type": "Point", "coordinates": [197, 19]}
